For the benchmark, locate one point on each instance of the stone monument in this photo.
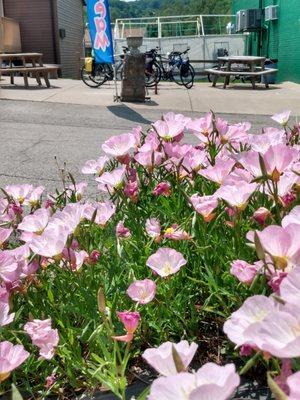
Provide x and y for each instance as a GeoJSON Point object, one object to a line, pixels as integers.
{"type": "Point", "coordinates": [133, 83]}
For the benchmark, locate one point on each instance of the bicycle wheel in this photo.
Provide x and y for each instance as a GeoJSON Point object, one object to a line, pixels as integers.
{"type": "Point", "coordinates": [175, 75]}
{"type": "Point", "coordinates": [187, 76]}
{"type": "Point", "coordinates": [153, 76]}
{"type": "Point", "coordinates": [93, 79]}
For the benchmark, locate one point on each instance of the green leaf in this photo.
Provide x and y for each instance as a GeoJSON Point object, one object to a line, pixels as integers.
{"type": "Point", "coordinates": [259, 249]}
{"type": "Point", "coordinates": [279, 394]}
{"type": "Point", "coordinates": [177, 360]}
{"type": "Point", "coordinates": [15, 394]}
{"type": "Point", "coordinates": [144, 394]}
{"type": "Point", "coordinates": [50, 296]}
{"type": "Point", "coordinates": [250, 363]}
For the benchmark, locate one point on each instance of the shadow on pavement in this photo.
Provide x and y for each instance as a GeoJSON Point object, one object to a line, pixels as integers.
{"type": "Point", "coordinates": [125, 112]}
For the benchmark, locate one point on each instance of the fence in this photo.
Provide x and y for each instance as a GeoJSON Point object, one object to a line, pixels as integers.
{"type": "Point", "coordinates": [201, 48]}
{"type": "Point", "coordinates": [174, 26]}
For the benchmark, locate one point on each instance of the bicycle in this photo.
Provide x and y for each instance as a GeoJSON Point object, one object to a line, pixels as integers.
{"type": "Point", "coordinates": [175, 68]}
{"type": "Point", "coordinates": [103, 72]}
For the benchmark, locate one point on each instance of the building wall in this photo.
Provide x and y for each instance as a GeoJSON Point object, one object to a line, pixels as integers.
{"type": "Point", "coordinates": [70, 18]}
{"type": "Point", "coordinates": [36, 25]}
{"type": "Point", "coordinates": [289, 40]}
{"type": "Point", "coordinates": [280, 39]}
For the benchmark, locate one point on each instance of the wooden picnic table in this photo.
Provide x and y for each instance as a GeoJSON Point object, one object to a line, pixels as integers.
{"type": "Point", "coordinates": [30, 64]}
{"type": "Point", "coordinates": [250, 66]}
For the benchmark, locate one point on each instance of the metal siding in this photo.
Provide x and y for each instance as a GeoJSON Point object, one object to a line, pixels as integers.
{"type": "Point", "coordinates": [70, 18]}
{"type": "Point", "coordinates": [289, 39]}
{"type": "Point", "coordinates": [35, 18]}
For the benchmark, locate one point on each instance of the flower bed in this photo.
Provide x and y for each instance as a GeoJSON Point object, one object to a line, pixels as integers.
{"type": "Point", "coordinates": [191, 252]}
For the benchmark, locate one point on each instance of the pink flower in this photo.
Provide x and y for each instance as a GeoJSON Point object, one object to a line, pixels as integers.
{"type": "Point", "coordinates": [78, 190]}
{"type": "Point", "coordinates": [236, 196]}
{"type": "Point", "coordinates": [172, 117]}
{"type": "Point", "coordinates": [204, 205]}
{"type": "Point", "coordinates": [261, 215]}
{"type": "Point", "coordinates": [278, 332]}
{"type": "Point", "coordinates": [11, 357]}
{"type": "Point", "coordinates": [50, 381]}
{"type": "Point", "coordinates": [293, 383]}
{"type": "Point", "coordinates": [286, 371]}
{"type": "Point", "coordinates": [162, 359]}
{"type": "Point", "coordinates": [142, 291]}
{"type": "Point", "coordinates": [4, 235]}
{"type": "Point", "coordinates": [162, 189]}
{"type": "Point", "coordinates": [250, 161]}
{"type": "Point", "coordinates": [254, 309]}
{"type": "Point", "coordinates": [168, 130]}
{"type": "Point", "coordinates": [237, 133]}
{"type": "Point", "coordinates": [201, 127]}
{"type": "Point", "coordinates": [10, 267]}
{"type": "Point", "coordinates": [122, 231]}
{"type": "Point", "coordinates": [271, 137]}
{"type": "Point", "coordinates": [43, 336]}
{"type": "Point", "coordinates": [51, 242]}
{"type": "Point", "coordinates": [95, 166]}
{"type": "Point", "coordinates": [243, 271]}
{"type": "Point", "coordinates": [69, 218]}
{"type": "Point", "coordinates": [130, 320]}
{"type": "Point", "coordinates": [112, 181]}
{"type": "Point", "coordinates": [25, 194]}
{"type": "Point", "coordinates": [131, 190]}
{"type": "Point", "coordinates": [149, 159]}
{"type": "Point", "coordinates": [288, 199]}
{"type": "Point", "coordinates": [245, 350]}
{"type": "Point", "coordinates": [94, 256]}
{"type": "Point", "coordinates": [290, 287]}
{"type": "Point", "coordinates": [166, 261]}
{"type": "Point", "coordinates": [211, 381]}
{"type": "Point", "coordinates": [119, 145]}
{"type": "Point", "coordinates": [195, 160]}
{"type": "Point", "coordinates": [102, 212]}
{"type": "Point", "coordinates": [177, 151]}
{"type": "Point", "coordinates": [5, 317]}
{"type": "Point", "coordinates": [278, 158]}
{"type": "Point", "coordinates": [218, 172]}
{"type": "Point", "coordinates": [176, 233]}
{"type": "Point", "coordinates": [275, 280]}
{"type": "Point", "coordinates": [281, 244]}
{"type": "Point", "coordinates": [75, 258]}
{"type": "Point", "coordinates": [151, 143]}
{"type": "Point", "coordinates": [282, 118]}
{"type": "Point", "coordinates": [153, 228]}
{"type": "Point", "coordinates": [36, 222]}
{"type": "Point", "coordinates": [292, 218]}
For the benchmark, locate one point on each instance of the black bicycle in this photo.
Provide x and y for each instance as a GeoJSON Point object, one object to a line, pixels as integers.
{"type": "Point", "coordinates": [175, 67]}
{"type": "Point", "coordinates": [103, 72]}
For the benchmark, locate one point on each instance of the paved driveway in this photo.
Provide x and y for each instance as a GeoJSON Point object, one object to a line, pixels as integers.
{"type": "Point", "coordinates": [32, 134]}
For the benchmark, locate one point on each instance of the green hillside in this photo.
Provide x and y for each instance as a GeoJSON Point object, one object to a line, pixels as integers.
{"type": "Point", "coordinates": [151, 8]}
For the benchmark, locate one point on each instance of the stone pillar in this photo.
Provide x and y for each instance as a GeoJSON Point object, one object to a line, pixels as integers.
{"type": "Point", "coordinates": [133, 83]}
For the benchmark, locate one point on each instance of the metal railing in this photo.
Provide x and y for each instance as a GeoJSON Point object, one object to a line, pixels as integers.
{"type": "Point", "coordinates": [174, 26]}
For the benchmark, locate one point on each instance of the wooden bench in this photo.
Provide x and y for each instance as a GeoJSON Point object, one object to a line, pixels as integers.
{"type": "Point", "coordinates": [53, 69]}
{"type": "Point", "coordinates": [37, 72]}
{"type": "Point", "coordinates": [252, 74]}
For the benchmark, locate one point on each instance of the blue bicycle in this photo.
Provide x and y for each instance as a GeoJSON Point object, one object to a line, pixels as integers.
{"type": "Point", "coordinates": [175, 67]}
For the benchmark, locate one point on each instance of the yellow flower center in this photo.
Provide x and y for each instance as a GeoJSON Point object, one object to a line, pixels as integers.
{"type": "Point", "coordinates": [169, 231]}
{"type": "Point", "coordinates": [280, 262]}
{"type": "Point", "coordinates": [167, 269]}
{"type": "Point", "coordinates": [4, 376]}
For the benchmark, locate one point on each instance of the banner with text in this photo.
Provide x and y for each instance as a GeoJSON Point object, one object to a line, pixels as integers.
{"type": "Point", "coordinates": [100, 30]}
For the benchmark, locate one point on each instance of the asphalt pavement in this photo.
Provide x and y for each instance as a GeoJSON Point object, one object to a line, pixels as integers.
{"type": "Point", "coordinates": [36, 137]}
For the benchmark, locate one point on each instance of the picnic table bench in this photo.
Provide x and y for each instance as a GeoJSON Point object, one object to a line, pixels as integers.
{"type": "Point", "coordinates": [252, 67]}
{"type": "Point", "coordinates": [31, 64]}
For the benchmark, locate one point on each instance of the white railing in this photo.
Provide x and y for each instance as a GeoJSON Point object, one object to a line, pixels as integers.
{"type": "Point", "coordinates": [174, 26]}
